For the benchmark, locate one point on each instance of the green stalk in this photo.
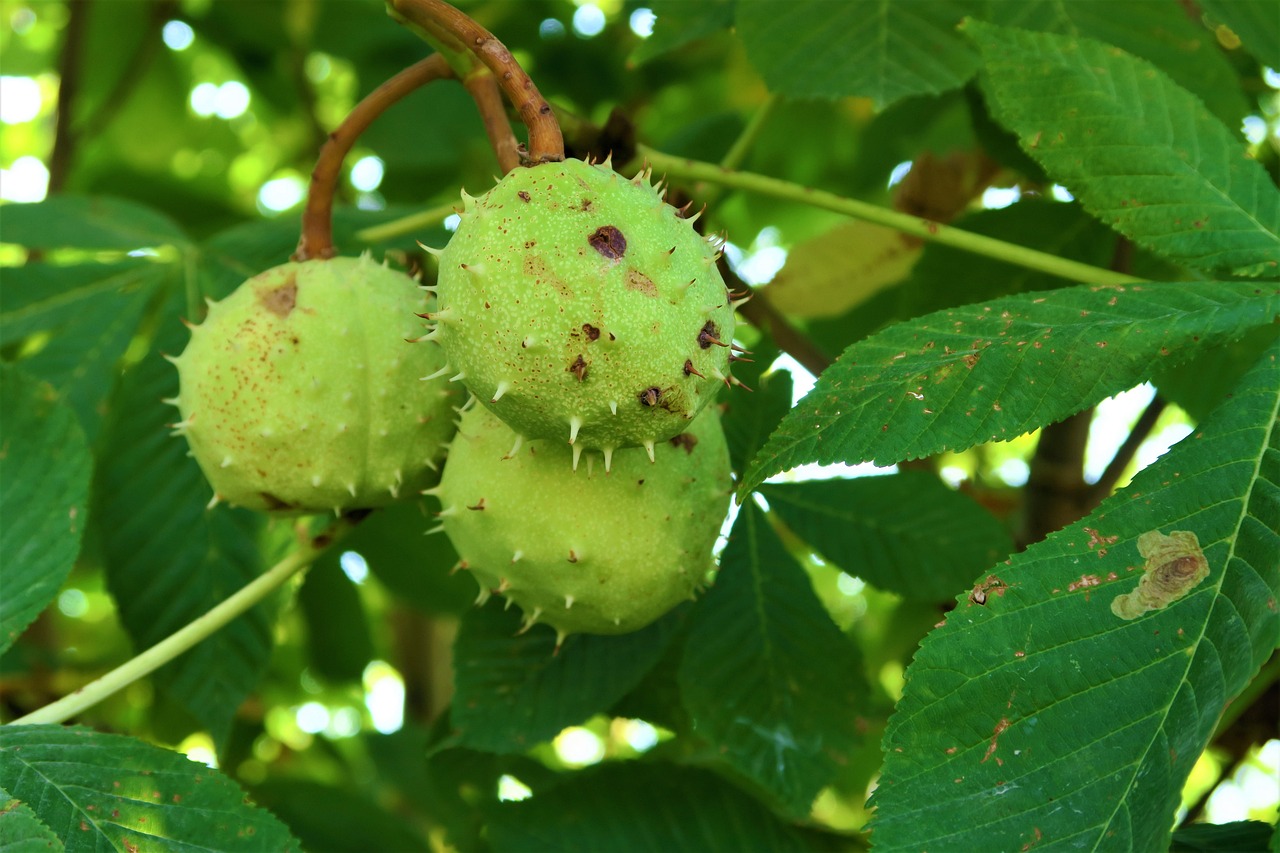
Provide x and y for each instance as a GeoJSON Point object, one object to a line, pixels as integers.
{"type": "Point", "coordinates": [737, 152]}
{"type": "Point", "coordinates": [693, 170]}
{"type": "Point", "coordinates": [189, 635]}
{"type": "Point", "coordinates": [407, 224]}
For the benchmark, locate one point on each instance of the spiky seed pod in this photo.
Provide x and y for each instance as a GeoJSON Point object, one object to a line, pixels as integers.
{"type": "Point", "coordinates": [580, 307]}
{"type": "Point", "coordinates": [299, 392]}
{"type": "Point", "coordinates": [585, 551]}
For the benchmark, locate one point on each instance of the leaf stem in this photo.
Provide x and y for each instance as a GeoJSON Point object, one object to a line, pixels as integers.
{"type": "Point", "coordinates": [546, 143]}
{"type": "Point", "coordinates": [926, 229]}
{"type": "Point", "coordinates": [317, 218]}
{"type": "Point", "coordinates": [406, 224]}
{"type": "Point", "coordinates": [737, 153]}
{"type": "Point", "coordinates": [191, 634]}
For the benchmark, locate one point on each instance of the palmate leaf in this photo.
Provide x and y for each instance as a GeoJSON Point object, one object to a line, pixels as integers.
{"type": "Point", "coordinates": [100, 792]}
{"type": "Point", "coordinates": [44, 489]}
{"type": "Point", "coordinates": [21, 831]}
{"type": "Point", "coordinates": [514, 689]}
{"type": "Point", "coordinates": [751, 678]}
{"type": "Point", "coordinates": [907, 533]}
{"type": "Point", "coordinates": [877, 49]}
{"type": "Point", "coordinates": [993, 371]}
{"type": "Point", "coordinates": [1141, 153]}
{"type": "Point", "coordinates": [89, 222]}
{"type": "Point", "coordinates": [1050, 710]}
{"type": "Point", "coordinates": [168, 558]}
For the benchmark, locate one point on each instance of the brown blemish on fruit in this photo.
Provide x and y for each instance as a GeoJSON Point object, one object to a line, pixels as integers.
{"type": "Point", "coordinates": [281, 299]}
{"type": "Point", "coordinates": [1175, 564]}
{"type": "Point", "coordinates": [640, 282]}
{"type": "Point", "coordinates": [686, 441]}
{"type": "Point", "coordinates": [651, 396]}
{"type": "Point", "coordinates": [710, 334]}
{"type": "Point", "coordinates": [690, 370]}
{"type": "Point", "coordinates": [578, 368]}
{"type": "Point", "coordinates": [524, 195]}
{"type": "Point", "coordinates": [479, 506]}
{"type": "Point", "coordinates": [608, 241]}
{"type": "Point", "coordinates": [590, 331]}
{"type": "Point", "coordinates": [275, 503]}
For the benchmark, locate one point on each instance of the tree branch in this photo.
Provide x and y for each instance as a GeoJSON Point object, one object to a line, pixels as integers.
{"type": "Point", "coordinates": [1141, 430]}
{"type": "Point", "coordinates": [70, 62]}
{"type": "Point", "coordinates": [317, 218]}
{"type": "Point", "coordinates": [488, 97]}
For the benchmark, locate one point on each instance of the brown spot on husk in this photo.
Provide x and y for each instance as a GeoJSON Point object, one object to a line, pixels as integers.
{"type": "Point", "coordinates": [281, 299]}
{"type": "Point", "coordinates": [578, 368]}
{"type": "Point", "coordinates": [608, 241]}
{"type": "Point", "coordinates": [685, 440]}
{"type": "Point", "coordinates": [640, 282]}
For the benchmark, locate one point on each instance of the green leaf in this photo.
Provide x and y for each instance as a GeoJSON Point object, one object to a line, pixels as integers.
{"type": "Point", "coordinates": [1241, 836]}
{"type": "Point", "coordinates": [339, 646]}
{"type": "Point", "coordinates": [679, 23]}
{"type": "Point", "coordinates": [907, 533]}
{"type": "Point", "coordinates": [748, 676]}
{"type": "Point", "coordinates": [645, 808]}
{"type": "Point", "coordinates": [1140, 152]}
{"type": "Point", "coordinates": [89, 222]}
{"type": "Point", "coordinates": [872, 48]}
{"type": "Point", "coordinates": [168, 558]}
{"type": "Point", "coordinates": [325, 817]}
{"type": "Point", "coordinates": [749, 420]}
{"type": "Point", "coordinates": [44, 489]}
{"type": "Point", "coordinates": [1255, 22]}
{"type": "Point", "coordinates": [1160, 32]}
{"type": "Point", "coordinates": [21, 831]}
{"type": "Point", "coordinates": [993, 371]}
{"type": "Point", "coordinates": [1049, 709]}
{"type": "Point", "coordinates": [514, 690]}
{"type": "Point", "coordinates": [110, 792]}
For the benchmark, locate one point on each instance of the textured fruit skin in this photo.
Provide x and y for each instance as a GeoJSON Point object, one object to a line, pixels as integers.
{"type": "Point", "coordinates": [579, 306]}
{"type": "Point", "coordinates": [299, 393]}
{"type": "Point", "coordinates": [585, 551]}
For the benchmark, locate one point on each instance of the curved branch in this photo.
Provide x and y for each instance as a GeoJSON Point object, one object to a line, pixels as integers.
{"type": "Point", "coordinates": [317, 217]}
{"type": "Point", "coordinates": [546, 143]}
{"type": "Point", "coordinates": [488, 97]}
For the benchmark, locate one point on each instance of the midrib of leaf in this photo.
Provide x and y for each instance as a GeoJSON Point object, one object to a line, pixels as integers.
{"type": "Point", "coordinates": [68, 298]}
{"type": "Point", "coordinates": [768, 652]}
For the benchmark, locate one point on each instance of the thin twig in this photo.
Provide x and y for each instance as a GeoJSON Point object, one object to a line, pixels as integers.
{"type": "Point", "coordinates": [488, 97]}
{"type": "Point", "coordinates": [317, 217]}
{"type": "Point", "coordinates": [546, 144]}
{"type": "Point", "coordinates": [1146, 422]}
{"type": "Point", "coordinates": [70, 62]}
{"type": "Point", "coordinates": [127, 84]}
{"type": "Point", "coordinates": [405, 225]}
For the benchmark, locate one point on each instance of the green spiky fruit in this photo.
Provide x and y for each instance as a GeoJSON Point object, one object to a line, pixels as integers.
{"type": "Point", "coordinates": [299, 393]}
{"type": "Point", "coordinates": [585, 551]}
{"type": "Point", "coordinates": [579, 306]}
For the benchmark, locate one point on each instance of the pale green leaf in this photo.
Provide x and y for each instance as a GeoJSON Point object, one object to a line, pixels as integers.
{"type": "Point", "coordinates": [1254, 21]}
{"type": "Point", "coordinates": [1140, 152]}
{"type": "Point", "coordinates": [877, 49]}
{"type": "Point", "coordinates": [515, 689]}
{"type": "Point", "coordinates": [907, 533]}
{"type": "Point", "coordinates": [747, 676]}
{"type": "Point", "coordinates": [44, 488]}
{"type": "Point", "coordinates": [103, 792]}
{"type": "Point", "coordinates": [993, 371]}
{"type": "Point", "coordinates": [88, 222]}
{"type": "Point", "coordinates": [21, 831]}
{"type": "Point", "coordinates": [1050, 711]}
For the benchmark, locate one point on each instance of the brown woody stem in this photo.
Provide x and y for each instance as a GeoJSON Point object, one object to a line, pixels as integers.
{"type": "Point", "coordinates": [488, 97]}
{"type": "Point", "coordinates": [546, 143]}
{"type": "Point", "coordinates": [317, 217]}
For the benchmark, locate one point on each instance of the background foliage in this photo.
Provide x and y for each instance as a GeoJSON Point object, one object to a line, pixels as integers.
{"type": "Point", "coordinates": [938, 637]}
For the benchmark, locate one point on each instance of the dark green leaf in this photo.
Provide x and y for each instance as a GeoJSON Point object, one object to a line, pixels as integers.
{"type": "Point", "coordinates": [1048, 692]}
{"type": "Point", "coordinates": [993, 371]}
{"type": "Point", "coordinates": [748, 420]}
{"type": "Point", "coordinates": [1201, 384]}
{"type": "Point", "coordinates": [680, 22]}
{"type": "Point", "coordinates": [1242, 836]}
{"type": "Point", "coordinates": [168, 558]}
{"type": "Point", "coordinates": [1254, 21]}
{"type": "Point", "coordinates": [338, 643]}
{"type": "Point", "coordinates": [105, 792]}
{"type": "Point", "coordinates": [333, 820]}
{"type": "Point", "coordinates": [907, 533]}
{"type": "Point", "coordinates": [44, 489]}
{"type": "Point", "coordinates": [21, 831]}
{"type": "Point", "coordinates": [882, 51]}
{"type": "Point", "coordinates": [1142, 154]}
{"type": "Point", "coordinates": [748, 675]}
{"type": "Point", "coordinates": [89, 222]}
{"type": "Point", "coordinates": [515, 690]}
{"type": "Point", "coordinates": [645, 808]}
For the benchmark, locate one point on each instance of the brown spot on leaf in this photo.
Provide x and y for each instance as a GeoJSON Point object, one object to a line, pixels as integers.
{"type": "Point", "coordinates": [608, 241]}
{"type": "Point", "coordinates": [281, 299]}
{"type": "Point", "coordinates": [1175, 564]}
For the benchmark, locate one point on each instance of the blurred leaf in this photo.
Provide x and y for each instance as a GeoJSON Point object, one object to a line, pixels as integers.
{"type": "Point", "coordinates": [110, 792]}
{"type": "Point", "coordinates": [1160, 32]}
{"type": "Point", "coordinates": [1007, 733]}
{"type": "Point", "coordinates": [329, 818]}
{"type": "Point", "coordinates": [914, 389]}
{"type": "Point", "coordinates": [882, 51]}
{"type": "Point", "coordinates": [907, 533]}
{"type": "Point", "coordinates": [338, 642]}
{"type": "Point", "coordinates": [168, 558]}
{"type": "Point", "coordinates": [1200, 385]}
{"type": "Point", "coordinates": [1140, 152]}
{"type": "Point", "coordinates": [514, 690]}
{"type": "Point", "coordinates": [747, 675]}
{"type": "Point", "coordinates": [828, 275]}
{"type": "Point", "coordinates": [902, 131]}
{"type": "Point", "coordinates": [680, 22]}
{"type": "Point", "coordinates": [88, 222]}
{"type": "Point", "coordinates": [21, 831]}
{"type": "Point", "coordinates": [1241, 836]}
{"type": "Point", "coordinates": [1254, 21]}
{"type": "Point", "coordinates": [748, 421]}
{"type": "Point", "coordinates": [647, 808]}
{"type": "Point", "coordinates": [44, 489]}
